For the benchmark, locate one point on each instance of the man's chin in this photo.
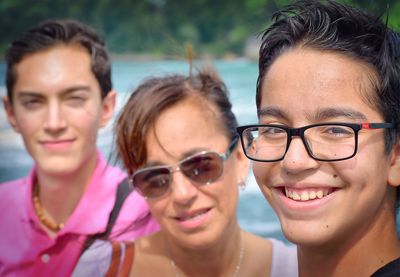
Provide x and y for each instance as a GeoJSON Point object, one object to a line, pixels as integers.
{"type": "Point", "coordinates": [58, 166]}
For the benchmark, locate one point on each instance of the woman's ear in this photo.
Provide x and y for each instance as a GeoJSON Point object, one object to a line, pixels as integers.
{"type": "Point", "coordinates": [394, 171]}
{"type": "Point", "coordinates": [243, 164]}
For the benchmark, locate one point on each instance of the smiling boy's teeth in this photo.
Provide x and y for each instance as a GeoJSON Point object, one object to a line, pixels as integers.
{"type": "Point", "coordinates": [305, 195]}
{"type": "Point", "coordinates": [295, 196]}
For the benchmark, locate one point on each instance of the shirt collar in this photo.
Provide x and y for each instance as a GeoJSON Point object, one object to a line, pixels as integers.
{"type": "Point", "coordinates": [92, 212]}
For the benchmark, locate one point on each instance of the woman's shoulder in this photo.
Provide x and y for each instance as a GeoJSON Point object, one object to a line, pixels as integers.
{"type": "Point", "coordinates": [257, 254]}
{"type": "Point", "coordinates": [284, 258]}
{"type": "Point", "coordinates": [150, 251]}
{"type": "Point", "coordinates": [277, 257]}
{"type": "Point", "coordinates": [105, 257]}
{"type": "Point", "coordinates": [95, 260]}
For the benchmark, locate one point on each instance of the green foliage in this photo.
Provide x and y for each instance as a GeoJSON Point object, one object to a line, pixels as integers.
{"type": "Point", "coordinates": [164, 26]}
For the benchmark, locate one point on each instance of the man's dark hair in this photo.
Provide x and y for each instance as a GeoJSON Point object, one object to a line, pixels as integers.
{"type": "Point", "coordinates": [330, 26]}
{"type": "Point", "coordinates": [50, 33]}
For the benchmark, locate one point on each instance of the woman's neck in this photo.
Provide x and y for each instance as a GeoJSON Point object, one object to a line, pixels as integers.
{"type": "Point", "coordinates": [221, 259]}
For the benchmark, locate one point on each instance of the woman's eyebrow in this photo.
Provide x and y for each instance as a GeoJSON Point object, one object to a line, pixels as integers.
{"type": "Point", "coordinates": [184, 155]}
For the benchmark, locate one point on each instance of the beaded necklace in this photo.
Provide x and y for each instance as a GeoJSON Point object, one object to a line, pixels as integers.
{"type": "Point", "coordinates": [46, 221]}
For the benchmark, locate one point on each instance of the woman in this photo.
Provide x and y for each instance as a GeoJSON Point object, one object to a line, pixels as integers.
{"type": "Point", "coordinates": [177, 139]}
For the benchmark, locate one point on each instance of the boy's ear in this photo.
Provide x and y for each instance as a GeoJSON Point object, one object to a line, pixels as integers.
{"type": "Point", "coordinates": [10, 113]}
{"type": "Point", "coordinates": [394, 172]}
{"type": "Point", "coordinates": [108, 107]}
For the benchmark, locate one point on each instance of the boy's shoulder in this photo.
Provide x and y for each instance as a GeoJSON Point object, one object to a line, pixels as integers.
{"type": "Point", "coordinates": [391, 269]}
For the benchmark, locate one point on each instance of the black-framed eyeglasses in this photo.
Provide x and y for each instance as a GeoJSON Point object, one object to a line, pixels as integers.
{"type": "Point", "coordinates": [324, 141]}
{"type": "Point", "coordinates": [202, 168]}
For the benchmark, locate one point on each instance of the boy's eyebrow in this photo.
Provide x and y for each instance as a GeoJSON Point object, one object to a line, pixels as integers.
{"type": "Point", "coordinates": [271, 111]}
{"type": "Point", "coordinates": [330, 113]}
{"type": "Point", "coordinates": [320, 115]}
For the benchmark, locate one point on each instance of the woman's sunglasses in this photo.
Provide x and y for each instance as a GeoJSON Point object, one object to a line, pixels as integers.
{"type": "Point", "coordinates": [202, 168]}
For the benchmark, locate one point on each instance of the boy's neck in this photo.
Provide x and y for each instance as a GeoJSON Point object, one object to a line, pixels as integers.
{"type": "Point", "coordinates": [361, 255]}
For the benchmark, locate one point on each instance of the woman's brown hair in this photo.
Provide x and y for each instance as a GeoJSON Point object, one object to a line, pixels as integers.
{"type": "Point", "coordinates": [156, 94]}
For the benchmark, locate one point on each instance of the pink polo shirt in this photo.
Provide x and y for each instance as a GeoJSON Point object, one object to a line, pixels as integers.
{"type": "Point", "coordinates": [27, 250]}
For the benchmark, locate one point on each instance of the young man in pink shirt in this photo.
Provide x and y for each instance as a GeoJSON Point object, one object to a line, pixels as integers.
{"type": "Point", "coordinates": [59, 94]}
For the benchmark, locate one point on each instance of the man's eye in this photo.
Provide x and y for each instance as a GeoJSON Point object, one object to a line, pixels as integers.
{"type": "Point", "coordinates": [31, 103]}
{"type": "Point", "coordinates": [76, 100]}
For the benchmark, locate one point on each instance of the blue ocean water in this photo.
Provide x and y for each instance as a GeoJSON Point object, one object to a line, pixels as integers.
{"type": "Point", "coordinates": [254, 214]}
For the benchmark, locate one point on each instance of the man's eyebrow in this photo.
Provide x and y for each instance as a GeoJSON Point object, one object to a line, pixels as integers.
{"type": "Point", "coordinates": [330, 113]}
{"type": "Point", "coordinates": [272, 111]}
{"type": "Point", "coordinates": [75, 88]}
{"type": "Point", "coordinates": [27, 93]}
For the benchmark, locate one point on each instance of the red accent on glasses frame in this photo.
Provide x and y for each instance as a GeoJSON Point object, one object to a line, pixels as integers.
{"type": "Point", "coordinates": [365, 126]}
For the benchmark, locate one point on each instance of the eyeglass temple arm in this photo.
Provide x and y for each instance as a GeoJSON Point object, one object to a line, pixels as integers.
{"type": "Point", "coordinates": [377, 125]}
{"type": "Point", "coordinates": [230, 147]}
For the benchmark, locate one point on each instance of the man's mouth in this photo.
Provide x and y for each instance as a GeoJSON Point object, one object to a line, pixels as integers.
{"type": "Point", "coordinates": [307, 194]}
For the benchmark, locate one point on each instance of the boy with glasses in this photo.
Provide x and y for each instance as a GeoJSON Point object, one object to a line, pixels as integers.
{"type": "Point", "coordinates": [59, 94]}
{"type": "Point", "coordinates": [326, 150]}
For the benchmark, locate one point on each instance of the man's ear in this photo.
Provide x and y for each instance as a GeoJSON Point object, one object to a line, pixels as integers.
{"type": "Point", "coordinates": [10, 113]}
{"type": "Point", "coordinates": [394, 171]}
{"type": "Point", "coordinates": [108, 106]}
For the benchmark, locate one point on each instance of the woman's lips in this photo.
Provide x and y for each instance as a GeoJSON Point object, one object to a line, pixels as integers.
{"type": "Point", "coordinates": [194, 219]}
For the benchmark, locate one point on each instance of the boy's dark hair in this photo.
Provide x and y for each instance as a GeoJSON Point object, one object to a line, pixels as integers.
{"type": "Point", "coordinates": [330, 26]}
{"type": "Point", "coordinates": [50, 33]}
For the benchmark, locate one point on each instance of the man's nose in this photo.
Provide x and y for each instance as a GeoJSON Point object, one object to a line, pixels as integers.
{"type": "Point", "coordinates": [55, 118]}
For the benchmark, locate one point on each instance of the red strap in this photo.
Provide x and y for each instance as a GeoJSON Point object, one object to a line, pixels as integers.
{"type": "Point", "coordinates": [115, 260]}
{"type": "Point", "coordinates": [128, 259]}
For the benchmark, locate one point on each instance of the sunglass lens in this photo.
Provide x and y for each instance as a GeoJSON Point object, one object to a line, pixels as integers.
{"type": "Point", "coordinates": [204, 168]}
{"type": "Point", "coordinates": [153, 182]}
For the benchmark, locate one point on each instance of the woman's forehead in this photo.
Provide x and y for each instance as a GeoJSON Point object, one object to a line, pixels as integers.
{"type": "Point", "coordinates": [183, 127]}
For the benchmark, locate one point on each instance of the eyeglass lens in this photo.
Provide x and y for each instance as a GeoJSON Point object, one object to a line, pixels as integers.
{"type": "Point", "coordinates": [325, 142]}
{"type": "Point", "coordinates": [204, 168]}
